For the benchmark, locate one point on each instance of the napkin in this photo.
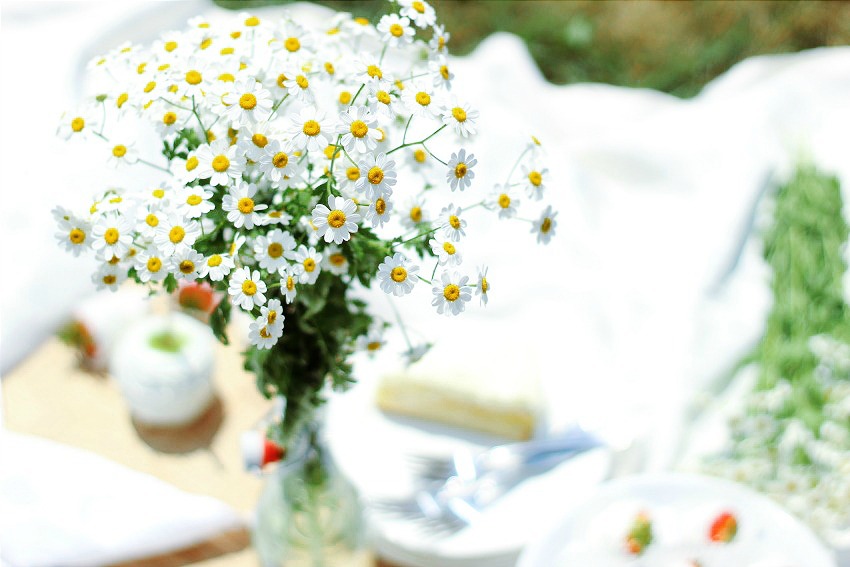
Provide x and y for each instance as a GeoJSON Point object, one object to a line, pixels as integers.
{"type": "Point", "coordinates": [64, 506]}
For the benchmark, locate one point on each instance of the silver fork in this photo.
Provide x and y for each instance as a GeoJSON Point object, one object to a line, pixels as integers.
{"type": "Point", "coordinates": [530, 456]}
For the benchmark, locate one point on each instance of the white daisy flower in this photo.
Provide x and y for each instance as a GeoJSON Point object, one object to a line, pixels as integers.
{"type": "Point", "coordinates": [253, 139]}
{"type": "Point", "coordinates": [337, 221]}
{"type": "Point", "coordinates": [335, 261]}
{"type": "Point", "coordinates": [216, 267]}
{"type": "Point", "coordinates": [381, 102]}
{"type": "Point", "coordinates": [272, 312]}
{"type": "Point", "coordinates": [247, 103]}
{"type": "Point", "coordinates": [420, 162]}
{"type": "Point", "coordinates": [451, 293]}
{"type": "Point", "coordinates": [373, 340]}
{"type": "Point", "coordinates": [191, 78]}
{"type": "Point", "coordinates": [461, 117]}
{"type": "Point", "coordinates": [378, 176]}
{"type": "Point", "coordinates": [348, 181]}
{"type": "Point", "coordinates": [80, 125]}
{"type": "Point", "coordinates": [112, 235]}
{"type": "Point", "coordinates": [534, 181]}
{"type": "Point", "coordinates": [503, 201]}
{"type": "Point", "coordinates": [460, 174]}
{"type": "Point", "coordinates": [395, 30]}
{"type": "Point", "coordinates": [247, 289]}
{"type": "Point", "coordinates": [73, 233]}
{"type": "Point", "coordinates": [273, 249]}
{"type": "Point", "coordinates": [445, 251]}
{"type": "Point", "coordinates": [240, 205]}
{"type": "Point", "coordinates": [307, 265]}
{"type": "Point", "coordinates": [186, 170]}
{"type": "Point", "coordinates": [420, 12]}
{"type": "Point", "coordinates": [483, 285]}
{"type": "Point", "coordinates": [288, 281]}
{"type": "Point", "coordinates": [174, 233]}
{"type": "Point", "coordinates": [275, 216]}
{"type": "Point", "coordinates": [414, 213]}
{"type": "Point", "coordinates": [122, 155]}
{"type": "Point", "coordinates": [453, 226]}
{"type": "Point", "coordinates": [290, 38]}
{"type": "Point", "coordinates": [218, 162]}
{"type": "Point", "coordinates": [369, 71]}
{"type": "Point", "coordinates": [109, 276]}
{"type": "Point", "coordinates": [158, 197]}
{"type": "Point", "coordinates": [185, 263]}
{"type": "Point", "coordinates": [397, 275]}
{"type": "Point", "coordinates": [440, 39]}
{"type": "Point", "coordinates": [545, 225]}
{"type": "Point", "coordinates": [147, 219]}
{"type": "Point", "coordinates": [359, 130]}
{"type": "Point", "coordinates": [379, 212]}
{"type": "Point", "coordinates": [298, 85]}
{"type": "Point", "coordinates": [420, 101]}
{"type": "Point", "coordinates": [441, 75]}
{"type": "Point", "coordinates": [309, 131]}
{"type": "Point", "coordinates": [150, 266]}
{"type": "Point", "coordinates": [170, 119]}
{"type": "Point", "coordinates": [262, 335]}
{"type": "Point", "coordinates": [275, 163]}
{"type": "Point", "coordinates": [194, 201]}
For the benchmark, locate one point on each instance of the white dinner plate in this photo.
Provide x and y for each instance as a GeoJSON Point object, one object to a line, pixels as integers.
{"type": "Point", "coordinates": [682, 507]}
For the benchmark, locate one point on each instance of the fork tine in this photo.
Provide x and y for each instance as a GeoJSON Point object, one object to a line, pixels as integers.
{"type": "Point", "coordinates": [429, 467]}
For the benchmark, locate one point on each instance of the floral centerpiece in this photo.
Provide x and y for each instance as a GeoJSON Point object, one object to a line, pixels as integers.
{"type": "Point", "coordinates": [297, 164]}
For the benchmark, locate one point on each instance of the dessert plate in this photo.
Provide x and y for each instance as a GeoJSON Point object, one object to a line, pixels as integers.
{"type": "Point", "coordinates": [681, 507]}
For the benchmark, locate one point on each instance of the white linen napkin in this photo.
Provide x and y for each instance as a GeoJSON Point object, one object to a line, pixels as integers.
{"type": "Point", "coordinates": [63, 506]}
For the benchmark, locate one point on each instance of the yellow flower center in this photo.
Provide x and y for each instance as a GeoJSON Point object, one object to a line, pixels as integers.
{"type": "Point", "coordinates": [504, 201]}
{"type": "Point", "coordinates": [459, 114]}
{"type": "Point", "coordinates": [259, 140]}
{"type": "Point", "coordinates": [449, 248]}
{"type": "Point", "coordinates": [331, 152]}
{"type": "Point", "coordinates": [226, 51]}
{"type": "Point", "coordinates": [344, 97]}
{"type": "Point", "coordinates": [214, 261]}
{"type": "Point", "coordinates": [444, 72]}
{"type": "Point", "coordinates": [419, 156]}
{"type": "Point", "coordinates": [312, 128]}
{"type": "Point", "coordinates": [111, 236]}
{"type": "Point", "coordinates": [176, 234]}
{"type": "Point", "coordinates": [454, 222]}
{"type": "Point", "coordinates": [546, 225]}
{"type": "Point", "coordinates": [114, 260]}
{"type": "Point", "coordinates": [264, 332]}
{"type": "Point", "coordinates": [280, 160]}
{"type": "Point", "coordinates": [186, 267]}
{"type": "Point", "coordinates": [280, 80]}
{"type": "Point", "coordinates": [236, 34]}
{"type": "Point", "coordinates": [194, 200]}
{"type": "Point", "coordinates": [158, 193]}
{"type": "Point", "coordinates": [154, 264]}
{"type": "Point", "coordinates": [170, 46]}
{"type": "Point", "coordinates": [220, 163]}
{"type": "Point", "coordinates": [226, 78]}
{"type": "Point", "coordinates": [359, 128]}
{"type": "Point", "coordinates": [109, 279]}
{"type": "Point", "coordinates": [423, 98]}
{"type": "Point", "coordinates": [248, 101]}
{"type": "Point", "coordinates": [396, 30]}
{"type": "Point", "coordinates": [290, 283]}
{"type": "Point", "coordinates": [141, 68]}
{"type": "Point", "coordinates": [119, 151]}
{"type": "Point", "coordinates": [302, 81]}
{"type": "Point", "coordinates": [484, 285]}
{"type": "Point", "coordinates": [275, 250]}
{"type": "Point", "coordinates": [352, 173]}
{"type": "Point", "coordinates": [271, 317]}
{"type": "Point", "coordinates": [246, 205]}
{"type": "Point", "coordinates": [380, 206]}
{"type": "Point", "coordinates": [329, 68]}
{"type": "Point", "coordinates": [249, 287]}
{"type": "Point", "coordinates": [382, 133]}
{"type": "Point", "coordinates": [460, 170]}
{"type": "Point", "coordinates": [399, 274]}
{"type": "Point", "coordinates": [152, 220]}
{"type": "Point", "coordinates": [375, 72]}
{"type": "Point", "coordinates": [441, 43]}
{"type": "Point", "coordinates": [292, 44]}
{"type": "Point", "coordinates": [191, 163]}
{"type": "Point", "coordinates": [169, 118]}
{"type": "Point", "coordinates": [375, 175]}
{"type": "Point", "coordinates": [253, 21]}
{"type": "Point", "coordinates": [206, 43]}
{"type": "Point", "coordinates": [275, 214]}
{"type": "Point", "coordinates": [416, 214]}
{"type": "Point", "coordinates": [418, 6]}
{"type": "Point", "coordinates": [337, 259]}
{"type": "Point", "coordinates": [77, 124]}
{"type": "Point", "coordinates": [336, 218]}
{"type": "Point", "coordinates": [193, 77]}
{"type": "Point", "coordinates": [309, 265]}
{"type": "Point", "coordinates": [383, 97]}
{"type": "Point", "coordinates": [536, 178]}
{"type": "Point", "coordinates": [362, 21]}
{"type": "Point", "coordinates": [451, 292]}
{"type": "Point", "coordinates": [122, 98]}
{"type": "Point", "coordinates": [77, 236]}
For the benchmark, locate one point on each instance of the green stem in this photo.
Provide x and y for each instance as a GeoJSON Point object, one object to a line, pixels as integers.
{"type": "Point", "coordinates": [434, 133]}
{"type": "Point", "coordinates": [146, 162]}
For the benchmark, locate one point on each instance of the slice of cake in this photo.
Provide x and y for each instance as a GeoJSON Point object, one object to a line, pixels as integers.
{"type": "Point", "coordinates": [491, 392]}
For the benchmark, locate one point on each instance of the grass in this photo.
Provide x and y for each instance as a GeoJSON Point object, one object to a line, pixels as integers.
{"type": "Point", "coordinates": [675, 47]}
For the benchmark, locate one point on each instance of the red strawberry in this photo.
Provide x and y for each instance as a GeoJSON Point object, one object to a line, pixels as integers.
{"type": "Point", "coordinates": [723, 528]}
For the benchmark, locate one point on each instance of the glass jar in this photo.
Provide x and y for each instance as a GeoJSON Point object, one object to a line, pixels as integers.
{"type": "Point", "coordinates": [308, 513]}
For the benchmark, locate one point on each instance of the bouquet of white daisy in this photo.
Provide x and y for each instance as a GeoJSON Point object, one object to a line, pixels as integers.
{"type": "Point", "coordinates": [285, 149]}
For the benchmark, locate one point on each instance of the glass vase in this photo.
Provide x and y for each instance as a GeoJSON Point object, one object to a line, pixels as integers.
{"type": "Point", "coordinates": [308, 514]}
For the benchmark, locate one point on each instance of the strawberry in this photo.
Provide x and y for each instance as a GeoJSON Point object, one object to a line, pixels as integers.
{"type": "Point", "coordinates": [723, 528]}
